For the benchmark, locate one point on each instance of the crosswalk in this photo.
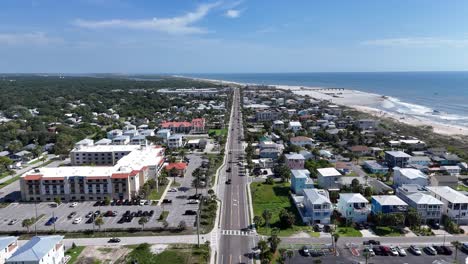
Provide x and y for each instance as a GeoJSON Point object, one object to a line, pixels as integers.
{"type": "Point", "coordinates": [236, 233]}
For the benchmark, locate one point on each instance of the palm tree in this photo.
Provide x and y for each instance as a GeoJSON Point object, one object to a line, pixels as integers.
{"type": "Point", "coordinates": [27, 223]}
{"type": "Point", "coordinates": [267, 216]}
{"type": "Point", "coordinates": [143, 220]}
{"type": "Point", "coordinates": [257, 221]}
{"type": "Point", "coordinates": [290, 254]}
{"type": "Point", "coordinates": [456, 244]}
{"type": "Point", "coordinates": [99, 222]}
{"type": "Point", "coordinates": [274, 242]}
{"type": "Point", "coordinates": [263, 247]}
{"type": "Point", "coordinates": [173, 173]}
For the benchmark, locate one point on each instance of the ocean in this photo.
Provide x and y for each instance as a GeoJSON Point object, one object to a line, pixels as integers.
{"type": "Point", "coordinates": [439, 96]}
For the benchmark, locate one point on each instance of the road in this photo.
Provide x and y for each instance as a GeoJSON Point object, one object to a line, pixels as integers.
{"type": "Point", "coordinates": [235, 244]}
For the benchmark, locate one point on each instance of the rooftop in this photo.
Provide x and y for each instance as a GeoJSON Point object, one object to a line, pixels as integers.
{"type": "Point", "coordinates": [423, 198]}
{"type": "Point", "coordinates": [411, 173]}
{"type": "Point", "coordinates": [35, 249]}
{"type": "Point", "coordinates": [317, 196]}
{"type": "Point", "coordinates": [105, 148]}
{"type": "Point", "coordinates": [353, 198]}
{"type": "Point", "coordinates": [448, 193]}
{"type": "Point", "coordinates": [6, 241]}
{"type": "Point", "coordinates": [398, 154]}
{"type": "Point", "coordinates": [294, 156]}
{"type": "Point", "coordinates": [389, 200]}
{"type": "Point", "coordinates": [328, 172]}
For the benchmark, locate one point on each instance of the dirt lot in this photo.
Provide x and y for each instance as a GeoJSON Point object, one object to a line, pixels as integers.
{"type": "Point", "coordinates": [105, 254]}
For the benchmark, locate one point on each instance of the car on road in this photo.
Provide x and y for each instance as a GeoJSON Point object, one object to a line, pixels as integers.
{"type": "Point", "coordinates": [114, 240]}
{"type": "Point", "coordinates": [77, 220]}
{"type": "Point", "coordinates": [190, 212]}
{"type": "Point", "coordinates": [416, 250]}
{"type": "Point", "coordinates": [430, 250]}
{"type": "Point", "coordinates": [369, 251]}
{"type": "Point", "coordinates": [228, 181]}
{"type": "Point", "coordinates": [74, 204]}
{"type": "Point", "coordinates": [172, 190]}
{"type": "Point", "coordinates": [401, 251]}
{"type": "Point", "coordinates": [51, 221]}
{"type": "Point", "coordinates": [13, 221]}
{"type": "Point", "coordinates": [72, 215]}
{"type": "Point", "coordinates": [371, 242]}
{"type": "Point", "coordinates": [193, 202]}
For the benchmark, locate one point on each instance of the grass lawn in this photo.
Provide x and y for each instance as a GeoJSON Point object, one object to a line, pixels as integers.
{"type": "Point", "coordinates": [10, 181]}
{"type": "Point", "coordinates": [163, 216]}
{"type": "Point", "coordinates": [274, 198]}
{"type": "Point", "coordinates": [173, 254]}
{"type": "Point", "coordinates": [74, 253]}
{"type": "Point", "coordinates": [155, 195]}
{"type": "Point", "coordinates": [462, 187]}
{"type": "Point", "coordinates": [348, 232]}
{"type": "Point", "coordinates": [218, 132]}
{"type": "Point", "coordinates": [215, 161]}
{"type": "Point", "coordinates": [386, 231]}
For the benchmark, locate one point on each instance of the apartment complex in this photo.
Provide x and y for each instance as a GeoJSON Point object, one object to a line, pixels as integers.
{"type": "Point", "coordinates": [120, 177]}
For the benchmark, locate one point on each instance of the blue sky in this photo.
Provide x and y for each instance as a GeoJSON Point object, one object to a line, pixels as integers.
{"type": "Point", "coordinates": [183, 36]}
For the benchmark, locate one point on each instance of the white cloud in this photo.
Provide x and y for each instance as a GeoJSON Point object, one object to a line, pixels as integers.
{"type": "Point", "coordinates": [417, 42]}
{"type": "Point", "coordinates": [174, 25]}
{"type": "Point", "coordinates": [233, 13]}
{"type": "Point", "coordinates": [36, 38]}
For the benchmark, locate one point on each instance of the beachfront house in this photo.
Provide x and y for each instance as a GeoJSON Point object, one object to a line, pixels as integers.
{"type": "Point", "coordinates": [354, 207]}
{"type": "Point", "coordinates": [278, 125]}
{"type": "Point", "coordinates": [269, 153]}
{"type": "Point", "coordinates": [317, 207]}
{"type": "Point", "coordinates": [40, 250]}
{"type": "Point", "coordinates": [164, 134]}
{"type": "Point", "coordinates": [328, 178]}
{"type": "Point", "coordinates": [295, 126]}
{"type": "Point", "coordinates": [409, 176]}
{"type": "Point", "coordinates": [374, 167]}
{"type": "Point", "coordinates": [455, 204]}
{"type": "Point", "coordinates": [8, 246]}
{"type": "Point", "coordinates": [387, 204]}
{"type": "Point", "coordinates": [302, 141]}
{"type": "Point", "coordinates": [451, 170]}
{"type": "Point", "coordinates": [419, 198]}
{"type": "Point", "coordinates": [366, 124]}
{"type": "Point", "coordinates": [300, 180]}
{"type": "Point", "coordinates": [396, 159]}
{"type": "Point", "coordinates": [295, 161]}
{"type": "Point", "coordinates": [419, 160]}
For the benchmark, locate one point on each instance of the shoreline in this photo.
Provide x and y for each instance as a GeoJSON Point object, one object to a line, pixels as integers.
{"type": "Point", "coordinates": [369, 103]}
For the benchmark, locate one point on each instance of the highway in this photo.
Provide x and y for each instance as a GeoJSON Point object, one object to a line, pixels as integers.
{"type": "Point", "coordinates": [235, 241]}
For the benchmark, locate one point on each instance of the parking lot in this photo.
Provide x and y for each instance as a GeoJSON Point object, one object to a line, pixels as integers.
{"type": "Point", "coordinates": [177, 208]}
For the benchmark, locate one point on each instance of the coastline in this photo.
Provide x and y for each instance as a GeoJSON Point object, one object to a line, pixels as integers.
{"type": "Point", "coordinates": [374, 104]}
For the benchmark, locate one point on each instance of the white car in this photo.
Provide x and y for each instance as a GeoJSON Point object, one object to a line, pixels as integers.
{"type": "Point", "coordinates": [193, 202]}
{"type": "Point", "coordinates": [394, 251]}
{"type": "Point", "coordinates": [142, 202]}
{"type": "Point", "coordinates": [77, 220]}
{"type": "Point", "coordinates": [416, 250]}
{"type": "Point", "coordinates": [401, 251]}
{"type": "Point", "coordinates": [173, 190]}
{"type": "Point", "coordinates": [74, 204]}
{"type": "Point", "coordinates": [370, 251]}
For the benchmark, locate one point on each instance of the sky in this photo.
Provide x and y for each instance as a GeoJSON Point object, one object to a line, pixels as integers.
{"type": "Point", "coordinates": [232, 36]}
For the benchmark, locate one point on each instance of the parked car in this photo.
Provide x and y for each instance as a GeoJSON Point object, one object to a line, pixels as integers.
{"type": "Point", "coordinates": [439, 250]}
{"type": "Point", "coordinates": [74, 204]}
{"type": "Point", "coordinates": [90, 220]}
{"type": "Point", "coordinates": [416, 250]}
{"type": "Point", "coordinates": [386, 250]}
{"type": "Point", "coordinates": [166, 201]}
{"type": "Point", "coordinates": [401, 251]}
{"type": "Point", "coordinates": [193, 201]}
{"type": "Point", "coordinates": [305, 251]}
{"type": "Point", "coordinates": [142, 202]}
{"type": "Point", "coordinates": [114, 240]}
{"type": "Point", "coordinates": [464, 247]}
{"type": "Point", "coordinates": [151, 213]}
{"type": "Point", "coordinates": [172, 190]}
{"type": "Point", "coordinates": [110, 213]}
{"type": "Point", "coordinates": [77, 220]}
{"type": "Point", "coordinates": [318, 227]}
{"type": "Point", "coordinates": [435, 226]}
{"type": "Point", "coordinates": [13, 221]}
{"type": "Point", "coordinates": [190, 212]}
{"type": "Point", "coordinates": [228, 181]}
{"type": "Point", "coordinates": [369, 251]}
{"type": "Point", "coordinates": [371, 242]}
{"type": "Point", "coordinates": [90, 214]}
{"type": "Point", "coordinates": [51, 221]}
{"type": "Point", "coordinates": [97, 213]}
{"type": "Point", "coordinates": [377, 250]}
{"type": "Point", "coordinates": [430, 250]}
{"type": "Point", "coordinates": [447, 250]}
{"type": "Point", "coordinates": [394, 251]}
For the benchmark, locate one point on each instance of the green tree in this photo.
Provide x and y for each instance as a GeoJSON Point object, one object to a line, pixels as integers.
{"type": "Point", "coordinates": [413, 218]}
{"type": "Point", "coordinates": [274, 242]}
{"type": "Point", "coordinates": [64, 144]}
{"type": "Point", "coordinates": [142, 221]}
{"type": "Point", "coordinates": [28, 222]}
{"type": "Point", "coordinates": [286, 218]}
{"type": "Point", "coordinates": [290, 254]}
{"type": "Point", "coordinates": [266, 214]}
{"type": "Point", "coordinates": [257, 221]}
{"type": "Point", "coordinates": [99, 222]}
{"type": "Point", "coordinates": [5, 162]}
{"type": "Point", "coordinates": [173, 173]}
{"type": "Point", "coordinates": [263, 248]}
{"type": "Point", "coordinates": [58, 200]}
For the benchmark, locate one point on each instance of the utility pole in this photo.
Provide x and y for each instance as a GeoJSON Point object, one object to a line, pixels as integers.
{"type": "Point", "coordinates": [35, 220]}
{"type": "Point", "coordinates": [53, 217]}
{"type": "Point", "coordinates": [198, 221]}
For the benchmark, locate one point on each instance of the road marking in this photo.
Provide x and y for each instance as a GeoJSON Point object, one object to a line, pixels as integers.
{"type": "Point", "coordinates": [236, 233]}
{"type": "Point", "coordinates": [230, 259]}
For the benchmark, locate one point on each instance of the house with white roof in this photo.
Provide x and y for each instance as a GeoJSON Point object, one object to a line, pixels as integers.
{"type": "Point", "coordinates": [328, 178]}
{"type": "Point", "coordinates": [295, 161]}
{"type": "Point", "coordinates": [278, 125]}
{"type": "Point", "coordinates": [175, 141]}
{"type": "Point", "coordinates": [295, 126]}
{"type": "Point", "coordinates": [388, 204]}
{"type": "Point", "coordinates": [317, 207]}
{"type": "Point", "coordinates": [451, 170]}
{"type": "Point", "coordinates": [302, 141]}
{"type": "Point", "coordinates": [40, 250]}
{"type": "Point", "coordinates": [455, 204]}
{"type": "Point", "coordinates": [354, 207]}
{"type": "Point", "coordinates": [8, 246]}
{"type": "Point", "coordinates": [396, 159]}
{"type": "Point", "coordinates": [419, 198]}
{"type": "Point", "coordinates": [409, 176]}
{"type": "Point", "coordinates": [300, 180]}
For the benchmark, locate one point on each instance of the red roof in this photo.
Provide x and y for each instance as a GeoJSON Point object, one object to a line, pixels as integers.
{"type": "Point", "coordinates": [177, 166]}
{"type": "Point", "coordinates": [198, 122]}
{"type": "Point", "coordinates": [53, 178]}
{"type": "Point", "coordinates": [168, 124]}
{"type": "Point", "coordinates": [96, 178]}
{"type": "Point", "coordinates": [120, 175]}
{"type": "Point", "coordinates": [300, 138]}
{"type": "Point", "coordinates": [33, 177]}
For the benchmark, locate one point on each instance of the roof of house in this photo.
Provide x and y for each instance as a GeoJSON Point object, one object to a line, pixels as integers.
{"type": "Point", "coordinates": [450, 168]}
{"type": "Point", "coordinates": [411, 173]}
{"type": "Point", "coordinates": [388, 200]}
{"type": "Point", "coordinates": [35, 249]}
{"type": "Point", "coordinates": [294, 156]}
{"type": "Point", "coordinates": [359, 148]}
{"type": "Point", "coordinates": [374, 164]}
{"type": "Point", "coordinates": [423, 198]}
{"type": "Point", "coordinates": [176, 165]}
{"type": "Point", "coordinates": [300, 173]}
{"type": "Point", "coordinates": [420, 158]}
{"type": "Point", "coordinates": [316, 196]}
{"type": "Point", "coordinates": [6, 241]}
{"type": "Point", "coordinates": [445, 179]}
{"type": "Point", "coordinates": [328, 172]}
{"type": "Point", "coordinates": [300, 138]}
{"type": "Point", "coordinates": [353, 198]}
{"type": "Point", "coordinates": [398, 154]}
{"type": "Point", "coordinates": [295, 123]}
{"type": "Point", "coordinates": [4, 153]}
{"type": "Point", "coordinates": [448, 193]}
{"type": "Point", "coordinates": [169, 124]}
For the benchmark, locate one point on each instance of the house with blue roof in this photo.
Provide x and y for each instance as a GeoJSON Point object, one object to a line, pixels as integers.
{"type": "Point", "coordinates": [300, 180]}
{"type": "Point", "coordinates": [40, 250]}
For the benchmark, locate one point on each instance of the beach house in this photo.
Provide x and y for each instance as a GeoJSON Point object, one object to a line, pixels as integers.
{"type": "Point", "coordinates": [451, 170]}
{"type": "Point", "coordinates": [328, 178]}
{"type": "Point", "coordinates": [354, 207]}
{"type": "Point", "coordinates": [300, 180]}
{"type": "Point", "coordinates": [396, 159]}
{"type": "Point", "coordinates": [175, 141]}
{"type": "Point", "coordinates": [419, 198]}
{"type": "Point", "coordinates": [8, 246]}
{"type": "Point", "coordinates": [40, 250]}
{"type": "Point", "coordinates": [295, 126]}
{"type": "Point", "coordinates": [409, 176]}
{"type": "Point", "coordinates": [295, 161]}
{"type": "Point", "coordinates": [455, 204]}
{"type": "Point", "coordinates": [302, 141]}
{"type": "Point", "coordinates": [374, 167]}
{"type": "Point", "coordinates": [317, 207]}
{"type": "Point", "coordinates": [387, 204]}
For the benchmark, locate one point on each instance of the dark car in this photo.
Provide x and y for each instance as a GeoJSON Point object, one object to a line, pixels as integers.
{"type": "Point", "coordinates": [151, 213]}
{"type": "Point", "coordinates": [139, 213]}
{"type": "Point", "coordinates": [195, 196]}
{"type": "Point", "coordinates": [114, 240]}
{"type": "Point", "coordinates": [228, 181]}
{"type": "Point", "coordinates": [121, 220]}
{"type": "Point", "coordinates": [371, 242]}
{"type": "Point", "coordinates": [98, 203]}
{"type": "Point", "coordinates": [119, 202]}
{"type": "Point", "coordinates": [228, 169]}
{"type": "Point", "coordinates": [90, 220]}
{"type": "Point", "coordinates": [190, 212]}
{"type": "Point", "coordinates": [97, 213]}
{"type": "Point", "coordinates": [439, 250]}
{"type": "Point", "coordinates": [327, 229]}
{"type": "Point", "coordinates": [166, 201]}
{"type": "Point", "coordinates": [51, 221]}
{"type": "Point", "coordinates": [359, 226]}
{"type": "Point", "coordinates": [71, 215]}
{"type": "Point", "coordinates": [127, 213]}
{"type": "Point", "coordinates": [377, 251]}
{"type": "Point", "coordinates": [447, 250]}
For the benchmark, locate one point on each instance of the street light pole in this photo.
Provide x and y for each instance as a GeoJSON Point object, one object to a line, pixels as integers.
{"type": "Point", "coordinates": [35, 220]}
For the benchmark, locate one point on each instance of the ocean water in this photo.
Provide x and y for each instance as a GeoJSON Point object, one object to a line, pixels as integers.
{"type": "Point", "coordinates": [440, 96]}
